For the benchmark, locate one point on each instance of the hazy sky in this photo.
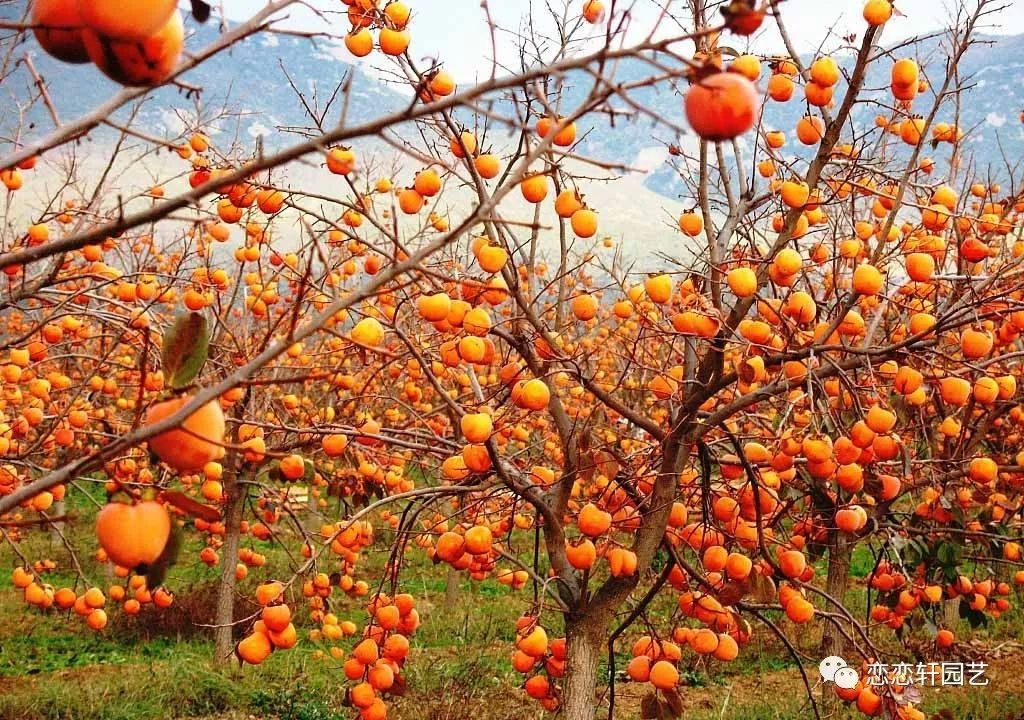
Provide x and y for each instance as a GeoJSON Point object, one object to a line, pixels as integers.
{"type": "Point", "coordinates": [455, 31]}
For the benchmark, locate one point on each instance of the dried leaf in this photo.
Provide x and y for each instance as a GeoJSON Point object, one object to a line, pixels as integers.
{"type": "Point", "coordinates": [584, 442]}
{"type": "Point", "coordinates": [762, 588]}
{"type": "Point", "coordinates": [185, 349]}
{"type": "Point", "coordinates": [399, 687]}
{"type": "Point", "coordinates": [606, 463]}
{"type": "Point", "coordinates": [674, 703]}
{"type": "Point", "coordinates": [730, 594]}
{"type": "Point", "coordinates": [650, 708]}
{"type": "Point", "coordinates": [587, 468]}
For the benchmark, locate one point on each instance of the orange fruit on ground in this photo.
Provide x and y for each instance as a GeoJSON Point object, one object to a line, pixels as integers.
{"type": "Point", "coordinates": [197, 441]}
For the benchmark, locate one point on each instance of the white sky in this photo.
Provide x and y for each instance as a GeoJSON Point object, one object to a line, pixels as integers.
{"type": "Point", "coordinates": [454, 31]}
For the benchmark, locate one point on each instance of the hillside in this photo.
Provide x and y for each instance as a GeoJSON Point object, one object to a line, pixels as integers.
{"type": "Point", "coordinates": [248, 93]}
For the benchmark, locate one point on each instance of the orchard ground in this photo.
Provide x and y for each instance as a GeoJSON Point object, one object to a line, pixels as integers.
{"type": "Point", "coordinates": [157, 664]}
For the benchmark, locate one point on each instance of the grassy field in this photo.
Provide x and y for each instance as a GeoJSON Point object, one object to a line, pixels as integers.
{"type": "Point", "coordinates": [158, 665]}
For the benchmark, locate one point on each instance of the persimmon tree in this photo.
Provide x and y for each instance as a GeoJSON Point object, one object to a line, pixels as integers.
{"type": "Point", "coordinates": [442, 347]}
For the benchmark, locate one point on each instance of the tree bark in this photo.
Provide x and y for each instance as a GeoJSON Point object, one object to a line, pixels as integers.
{"type": "Point", "coordinates": [583, 652]}
{"type": "Point", "coordinates": [58, 510]}
{"type": "Point", "coordinates": [832, 641]}
{"type": "Point", "coordinates": [839, 555]}
{"type": "Point", "coordinates": [237, 494]}
{"type": "Point", "coordinates": [451, 588]}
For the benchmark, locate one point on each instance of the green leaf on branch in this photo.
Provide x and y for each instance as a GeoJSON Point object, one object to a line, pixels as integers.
{"type": "Point", "coordinates": [948, 554]}
{"type": "Point", "coordinates": [310, 472]}
{"type": "Point", "coordinates": [185, 349]}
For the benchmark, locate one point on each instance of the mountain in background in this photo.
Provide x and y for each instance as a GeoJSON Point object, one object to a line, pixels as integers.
{"type": "Point", "coordinates": [247, 93]}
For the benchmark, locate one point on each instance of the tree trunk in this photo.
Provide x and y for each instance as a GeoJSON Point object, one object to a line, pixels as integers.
{"type": "Point", "coordinates": [58, 509]}
{"type": "Point", "coordinates": [832, 641]}
{"type": "Point", "coordinates": [237, 494]}
{"type": "Point", "coordinates": [451, 588]}
{"type": "Point", "coordinates": [583, 652]}
{"type": "Point", "coordinates": [839, 554]}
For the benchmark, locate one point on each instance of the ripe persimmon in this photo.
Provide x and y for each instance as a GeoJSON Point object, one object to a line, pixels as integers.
{"type": "Point", "coordinates": [393, 42]}
{"type": "Point", "coordinates": [664, 675]}
{"type": "Point", "coordinates": [144, 61]}
{"type": "Point", "coordinates": [110, 19]}
{"type": "Point", "coordinates": [59, 29]}
{"type": "Point", "coordinates": [254, 648]}
{"type": "Point", "coordinates": [593, 521]}
{"type": "Point", "coordinates": [534, 188]}
{"type": "Point", "coordinates": [133, 535]}
{"type": "Point", "coordinates": [198, 440]}
{"type": "Point", "coordinates": [721, 106]}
